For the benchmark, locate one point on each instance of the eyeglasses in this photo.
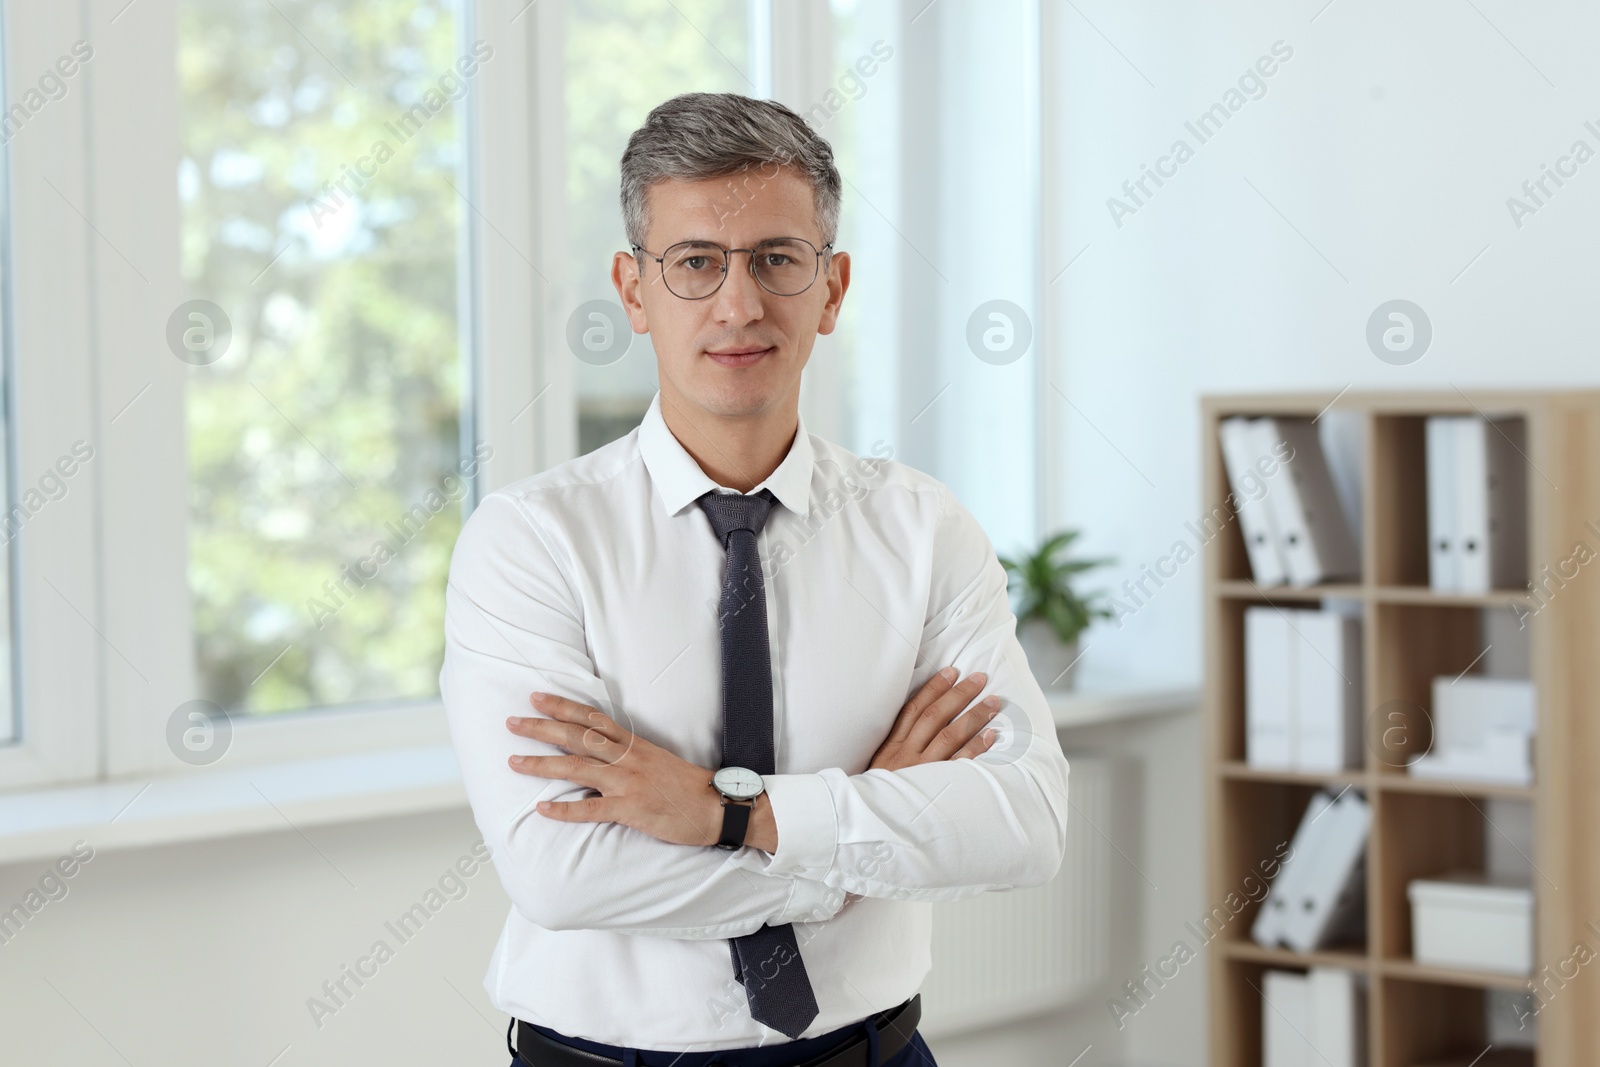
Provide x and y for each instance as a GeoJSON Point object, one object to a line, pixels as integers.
{"type": "Point", "coordinates": [783, 266]}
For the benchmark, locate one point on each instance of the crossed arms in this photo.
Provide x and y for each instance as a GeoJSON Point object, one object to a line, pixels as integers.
{"type": "Point", "coordinates": [936, 816]}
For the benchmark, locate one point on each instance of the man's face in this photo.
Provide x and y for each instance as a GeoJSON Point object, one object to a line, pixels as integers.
{"type": "Point", "coordinates": [703, 347]}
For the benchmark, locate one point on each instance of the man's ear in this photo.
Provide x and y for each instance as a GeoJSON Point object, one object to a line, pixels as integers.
{"type": "Point", "coordinates": [625, 276]}
{"type": "Point", "coordinates": [838, 280]}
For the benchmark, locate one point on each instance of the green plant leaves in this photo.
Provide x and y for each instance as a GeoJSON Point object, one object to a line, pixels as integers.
{"type": "Point", "coordinates": [1045, 586]}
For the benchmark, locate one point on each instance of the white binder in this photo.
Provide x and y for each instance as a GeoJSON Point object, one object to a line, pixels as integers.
{"type": "Point", "coordinates": [1240, 455]}
{"type": "Point", "coordinates": [1326, 665]}
{"type": "Point", "coordinates": [1490, 501]}
{"type": "Point", "coordinates": [1508, 504]}
{"type": "Point", "coordinates": [1285, 1018]}
{"type": "Point", "coordinates": [1302, 688]}
{"type": "Point", "coordinates": [1314, 534]}
{"type": "Point", "coordinates": [1336, 1018]}
{"type": "Point", "coordinates": [1269, 695]}
{"type": "Point", "coordinates": [1317, 1019]}
{"type": "Point", "coordinates": [1440, 439]}
{"type": "Point", "coordinates": [1272, 921]}
{"type": "Point", "coordinates": [1472, 506]}
{"type": "Point", "coordinates": [1331, 895]}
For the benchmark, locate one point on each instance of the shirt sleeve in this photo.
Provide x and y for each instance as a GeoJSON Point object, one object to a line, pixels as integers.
{"type": "Point", "coordinates": [513, 626]}
{"type": "Point", "coordinates": [952, 829]}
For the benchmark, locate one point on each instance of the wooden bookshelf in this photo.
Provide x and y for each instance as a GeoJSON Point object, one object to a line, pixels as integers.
{"type": "Point", "coordinates": [1421, 827]}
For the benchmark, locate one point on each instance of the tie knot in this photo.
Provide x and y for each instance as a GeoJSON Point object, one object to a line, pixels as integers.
{"type": "Point", "coordinates": [736, 511]}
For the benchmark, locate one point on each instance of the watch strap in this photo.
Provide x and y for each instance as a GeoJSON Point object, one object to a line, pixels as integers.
{"type": "Point", "coordinates": [735, 823]}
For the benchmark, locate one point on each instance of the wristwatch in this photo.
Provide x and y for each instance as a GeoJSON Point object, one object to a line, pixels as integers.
{"type": "Point", "coordinates": [739, 787]}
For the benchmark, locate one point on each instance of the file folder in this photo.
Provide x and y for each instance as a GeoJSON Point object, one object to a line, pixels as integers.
{"type": "Point", "coordinates": [1241, 454]}
{"type": "Point", "coordinates": [1313, 531]}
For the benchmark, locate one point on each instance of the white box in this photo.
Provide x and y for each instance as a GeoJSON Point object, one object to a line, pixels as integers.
{"type": "Point", "coordinates": [1470, 921]}
{"type": "Point", "coordinates": [1482, 729]}
{"type": "Point", "coordinates": [1467, 708]}
{"type": "Point", "coordinates": [1504, 758]}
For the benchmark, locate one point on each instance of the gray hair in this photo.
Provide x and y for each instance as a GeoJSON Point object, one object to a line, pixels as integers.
{"type": "Point", "coordinates": [695, 136]}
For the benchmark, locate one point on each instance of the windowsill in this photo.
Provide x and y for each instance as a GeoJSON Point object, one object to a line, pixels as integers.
{"type": "Point", "coordinates": [224, 802]}
{"type": "Point", "coordinates": [41, 825]}
{"type": "Point", "coordinates": [1094, 707]}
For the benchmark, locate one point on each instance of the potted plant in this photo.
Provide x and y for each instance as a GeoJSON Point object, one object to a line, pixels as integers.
{"type": "Point", "coordinates": [1050, 613]}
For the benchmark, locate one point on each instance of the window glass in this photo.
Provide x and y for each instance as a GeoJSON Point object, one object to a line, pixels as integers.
{"type": "Point", "coordinates": [859, 114]}
{"type": "Point", "coordinates": [321, 184]}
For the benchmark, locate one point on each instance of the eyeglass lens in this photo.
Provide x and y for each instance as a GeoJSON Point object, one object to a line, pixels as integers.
{"type": "Point", "coordinates": [784, 267]}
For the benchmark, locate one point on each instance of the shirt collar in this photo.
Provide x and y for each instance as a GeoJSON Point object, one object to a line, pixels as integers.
{"type": "Point", "coordinates": [679, 481]}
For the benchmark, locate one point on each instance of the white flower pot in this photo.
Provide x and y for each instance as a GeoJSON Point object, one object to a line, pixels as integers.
{"type": "Point", "coordinates": [1053, 663]}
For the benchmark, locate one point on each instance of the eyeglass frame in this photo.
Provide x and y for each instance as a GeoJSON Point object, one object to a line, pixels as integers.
{"type": "Point", "coordinates": [727, 255]}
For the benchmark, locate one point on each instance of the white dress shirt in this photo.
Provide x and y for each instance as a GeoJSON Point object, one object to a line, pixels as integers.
{"type": "Point", "coordinates": [599, 580]}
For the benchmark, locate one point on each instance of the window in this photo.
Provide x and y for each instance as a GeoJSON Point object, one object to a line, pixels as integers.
{"type": "Point", "coordinates": [20, 505]}
{"type": "Point", "coordinates": [288, 316]}
{"type": "Point", "coordinates": [327, 398]}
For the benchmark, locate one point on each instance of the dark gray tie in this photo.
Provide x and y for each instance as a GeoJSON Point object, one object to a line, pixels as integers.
{"type": "Point", "coordinates": [768, 961]}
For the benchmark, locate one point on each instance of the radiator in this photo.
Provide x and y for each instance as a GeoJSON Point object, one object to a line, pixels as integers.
{"type": "Point", "coordinates": [1005, 955]}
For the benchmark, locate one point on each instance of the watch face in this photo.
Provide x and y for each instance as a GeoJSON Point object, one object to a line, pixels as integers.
{"type": "Point", "coordinates": [740, 783]}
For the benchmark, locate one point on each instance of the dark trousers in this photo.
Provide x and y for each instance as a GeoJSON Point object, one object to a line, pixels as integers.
{"type": "Point", "coordinates": [915, 1054]}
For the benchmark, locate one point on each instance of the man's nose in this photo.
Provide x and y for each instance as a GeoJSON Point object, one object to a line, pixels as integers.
{"type": "Point", "coordinates": [740, 298]}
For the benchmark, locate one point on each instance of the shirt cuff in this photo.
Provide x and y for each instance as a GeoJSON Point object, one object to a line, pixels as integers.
{"type": "Point", "coordinates": [808, 827]}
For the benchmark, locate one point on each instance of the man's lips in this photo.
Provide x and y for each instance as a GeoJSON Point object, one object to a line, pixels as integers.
{"type": "Point", "coordinates": [739, 357]}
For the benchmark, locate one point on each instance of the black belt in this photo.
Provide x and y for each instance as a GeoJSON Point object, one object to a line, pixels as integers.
{"type": "Point", "coordinates": [895, 1027]}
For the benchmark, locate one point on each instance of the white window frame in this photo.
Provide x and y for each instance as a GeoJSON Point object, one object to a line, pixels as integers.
{"type": "Point", "coordinates": [58, 656]}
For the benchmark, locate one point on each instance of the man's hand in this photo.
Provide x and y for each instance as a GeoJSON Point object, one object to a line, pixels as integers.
{"type": "Point", "coordinates": [640, 784]}
{"type": "Point", "coordinates": [928, 730]}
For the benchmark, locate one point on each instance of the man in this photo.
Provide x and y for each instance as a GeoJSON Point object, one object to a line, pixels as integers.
{"type": "Point", "coordinates": [677, 669]}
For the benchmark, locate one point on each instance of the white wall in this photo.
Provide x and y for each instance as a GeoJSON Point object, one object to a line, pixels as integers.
{"type": "Point", "coordinates": [1390, 141]}
{"type": "Point", "coordinates": [207, 953]}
